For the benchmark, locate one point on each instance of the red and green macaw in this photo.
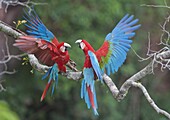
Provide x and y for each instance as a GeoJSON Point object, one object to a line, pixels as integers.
{"type": "Point", "coordinates": [45, 46]}
{"type": "Point", "coordinates": [108, 58]}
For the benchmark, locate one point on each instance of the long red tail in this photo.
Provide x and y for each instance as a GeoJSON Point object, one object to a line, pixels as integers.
{"type": "Point", "coordinates": [45, 90]}
{"type": "Point", "coordinates": [90, 96]}
{"type": "Point", "coordinates": [92, 101]}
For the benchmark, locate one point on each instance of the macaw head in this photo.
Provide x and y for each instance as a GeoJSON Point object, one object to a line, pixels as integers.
{"type": "Point", "coordinates": [85, 46]}
{"type": "Point", "coordinates": [63, 47]}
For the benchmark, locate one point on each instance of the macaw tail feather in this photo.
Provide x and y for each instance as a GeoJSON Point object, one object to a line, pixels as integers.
{"type": "Point", "coordinates": [45, 90]}
{"type": "Point", "coordinates": [89, 94]}
{"type": "Point", "coordinates": [92, 96]}
{"type": "Point", "coordinates": [53, 77]}
{"type": "Point", "coordinates": [95, 111]}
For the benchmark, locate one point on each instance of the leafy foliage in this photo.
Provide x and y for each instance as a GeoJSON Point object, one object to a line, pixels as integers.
{"type": "Point", "coordinates": [6, 113]}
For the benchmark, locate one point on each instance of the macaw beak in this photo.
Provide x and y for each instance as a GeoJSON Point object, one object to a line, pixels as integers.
{"type": "Point", "coordinates": [67, 45]}
{"type": "Point", "coordinates": [78, 41]}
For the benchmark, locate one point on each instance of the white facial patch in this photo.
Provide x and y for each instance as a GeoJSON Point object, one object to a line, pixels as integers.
{"type": "Point", "coordinates": [62, 48]}
{"type": "Point", "coordinates": [82, 45]}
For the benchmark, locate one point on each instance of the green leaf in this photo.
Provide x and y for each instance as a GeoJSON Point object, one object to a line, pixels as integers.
{"type": "Point", "coordinates": [6, 113]}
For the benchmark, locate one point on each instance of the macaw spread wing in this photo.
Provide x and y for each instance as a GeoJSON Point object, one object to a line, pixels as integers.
{"type": "Point", "coordinates": [113, 52]}
{"type": "Point", "coordinates": [44, 51]}
{"type": "Point", "coordinates": [37, 29]}
{"type": "Point", "coordinates": [40, 41]}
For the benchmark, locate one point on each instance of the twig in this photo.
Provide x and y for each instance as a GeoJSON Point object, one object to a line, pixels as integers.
{"type": "Point", "coordinates": [150, 100]}
{"type": "Point", "coordinates": [136, 77]}
{"type": "Point", "coordinates": [2, 88]}
{"type": "Point", "coordinates": [157, 6]}
{"type": "Point", "coordinates": [26, 4]}
{"type": "Point", "coordinates": [7, 57]}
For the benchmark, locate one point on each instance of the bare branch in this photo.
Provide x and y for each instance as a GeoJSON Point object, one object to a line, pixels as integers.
{"type": "Point", "coordinates": [26, 4]}
{"type": "Point", "coordinates": [2, 88]}
{"type": "Point", "coordinates": [36, 65]}
{"type": "Point", "coordinates": [141, 74]}
{"type": "Point", "coordinates": [7, 57]}
{"type": "Point", "coordinates": [136, 77]}
{"type": "Point", "coordinates": [150, 100]}
{"type": "Point", "coordinates": [110, 84]}
{"type": "Point", "coordinates": [73, 75]}
{"type": "Point", "coordinates": [157, 6]}
{"type": "Point", "coordinates": [7, 72]}
{"type": "Point", "coordinates": [165, 33]}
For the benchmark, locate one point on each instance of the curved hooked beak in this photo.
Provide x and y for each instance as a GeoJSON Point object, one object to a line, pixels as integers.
{"type": "Point", "coordinates": [67, 45]}
{"type": "Point", "coordinates": [78, 41]}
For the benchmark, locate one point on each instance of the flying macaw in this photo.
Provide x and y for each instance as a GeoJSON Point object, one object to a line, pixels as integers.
{"type": "Point", "coordinates": [44, 45]}
{"type": "Point", "coordinates": [108, 58]}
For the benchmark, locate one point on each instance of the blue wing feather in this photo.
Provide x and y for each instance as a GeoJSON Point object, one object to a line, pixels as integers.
{"type": "Point", "coordinates": [124, 18]}
{"type": "Point", "coordinates": [95, 65]}
{"type": "Point", "coordinates": [120, 42]}
{"type": "Point", "coordinates": [128, 19]}
{"type": "Point", "coordinates": [36, 28]}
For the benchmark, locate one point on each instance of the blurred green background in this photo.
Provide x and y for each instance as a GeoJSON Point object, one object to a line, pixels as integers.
{"type": "Point", "coordinates": [91, 20]}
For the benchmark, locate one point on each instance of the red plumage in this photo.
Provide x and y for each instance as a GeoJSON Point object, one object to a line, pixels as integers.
{"type": "Point", "coordinates": [89, 77]}
{"type": "Point", "coordinates": [46, 52]}
{"type": "Point", "coordinates": [90, 96]}
{"type": "Point", "coordinates": [45, 46]}
{"type": "Point", "coordinates": [102, 51]}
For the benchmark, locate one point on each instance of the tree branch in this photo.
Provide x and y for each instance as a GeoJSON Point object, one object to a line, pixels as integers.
{"type": "Point", "coordinates": [158, 6]}
{"type": "Point", "coordinates": [26, 4]}
{"type": "Point", "coordinates": [136, 77]}
{"type": "Point", "coordinates": [141, 74]}
{"type": "Point", "coordinates": [1, 86]}
{"type": "Point", "coordinates": [150, 100]}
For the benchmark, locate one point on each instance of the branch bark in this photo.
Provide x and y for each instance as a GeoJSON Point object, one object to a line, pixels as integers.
{"type": "Point", "coordinates": [150, 100]}
{"type": "Point", "coordinates": [136, 77]}
{"type": "Point", "coordinates": [142, 73]}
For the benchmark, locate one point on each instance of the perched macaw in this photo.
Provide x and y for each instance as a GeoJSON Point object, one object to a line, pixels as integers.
{"type": "Point", "coordinates": [45, 46]}
{"type": "Point", "coordinates": [108, 58]}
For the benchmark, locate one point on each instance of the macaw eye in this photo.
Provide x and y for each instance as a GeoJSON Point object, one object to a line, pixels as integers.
{"type": "Point", "coordinates": [79, 46]}
{"type": "Point", "coordinates": [66, 48]}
